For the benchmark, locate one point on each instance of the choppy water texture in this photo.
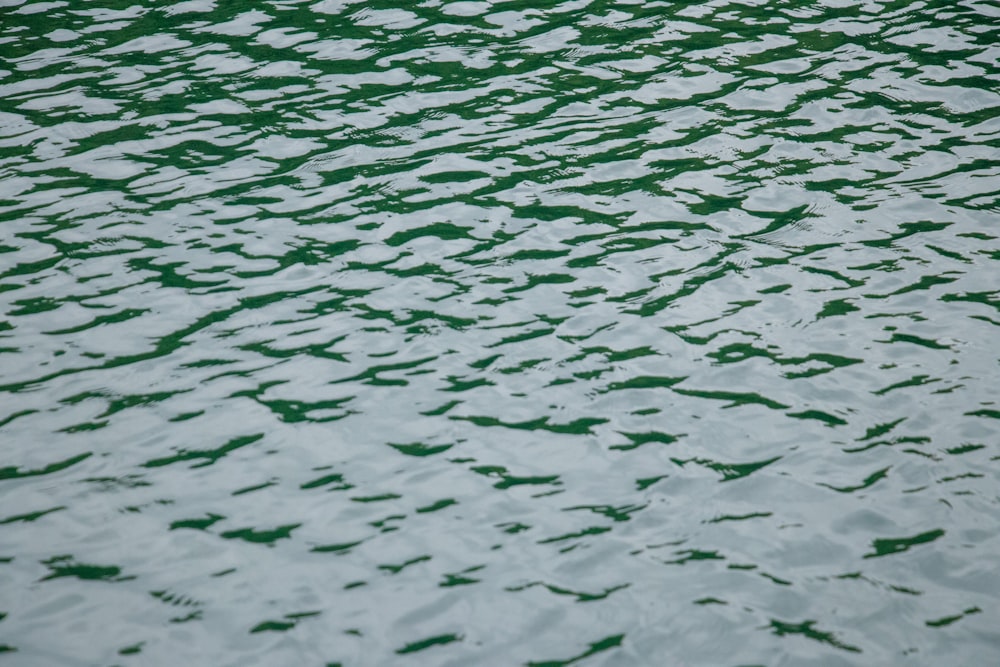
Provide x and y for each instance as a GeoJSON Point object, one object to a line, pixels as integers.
{"type": "Point", "coordinates": [469, 333]}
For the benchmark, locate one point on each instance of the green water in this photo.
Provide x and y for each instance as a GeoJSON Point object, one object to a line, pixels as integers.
{"type": "Point", "coordinates": [475, 333]}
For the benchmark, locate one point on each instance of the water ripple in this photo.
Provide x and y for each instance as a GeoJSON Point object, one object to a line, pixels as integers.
{"type": "Point", "coordinates": [469, 333]}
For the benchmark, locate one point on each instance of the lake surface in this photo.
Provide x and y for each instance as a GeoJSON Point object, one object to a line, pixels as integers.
{"type": "Point", "coordinates": [467, 333]}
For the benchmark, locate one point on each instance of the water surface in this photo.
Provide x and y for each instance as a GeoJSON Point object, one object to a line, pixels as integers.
{"type": "Point", "coordinates": [468, 333]}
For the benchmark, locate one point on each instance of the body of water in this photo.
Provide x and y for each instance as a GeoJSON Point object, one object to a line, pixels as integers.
{"type": "Point", "coordinates": [500, 333]}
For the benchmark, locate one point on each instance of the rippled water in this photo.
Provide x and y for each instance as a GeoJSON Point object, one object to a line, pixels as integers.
{"type": "Point", "coordinates": [468, 333]}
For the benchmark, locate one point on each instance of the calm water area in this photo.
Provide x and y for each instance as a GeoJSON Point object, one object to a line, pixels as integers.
{"type": "Point", "coordinates": [500, 333]}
